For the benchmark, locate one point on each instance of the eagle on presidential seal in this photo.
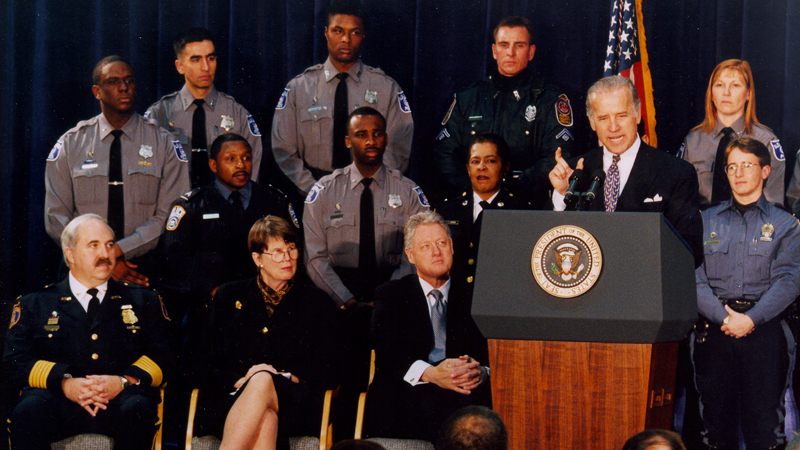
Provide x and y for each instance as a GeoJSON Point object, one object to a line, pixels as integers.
{"type": "Point", "coordinates": [567, 257]}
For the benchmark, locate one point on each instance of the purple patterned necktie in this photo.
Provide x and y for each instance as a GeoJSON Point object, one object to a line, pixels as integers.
{"type": "Point", "coordinates": [611, 187]}
{"type": "Point", "coordinates": [439, 322]}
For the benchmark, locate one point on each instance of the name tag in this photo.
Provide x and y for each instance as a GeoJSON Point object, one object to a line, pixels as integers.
{"type": "Point", "coordinates": [211, 216]}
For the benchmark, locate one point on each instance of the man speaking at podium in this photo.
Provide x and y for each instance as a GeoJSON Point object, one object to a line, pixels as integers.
{"type": "Point", "coordinates": [626, 174]}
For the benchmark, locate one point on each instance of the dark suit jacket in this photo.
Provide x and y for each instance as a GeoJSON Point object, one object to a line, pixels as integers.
{"type": "Point", "coordinates": [402, 334]}
{"type": "Point", "coordinates": [656, 172]}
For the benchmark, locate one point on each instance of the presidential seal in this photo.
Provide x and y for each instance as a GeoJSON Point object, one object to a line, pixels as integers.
{"type": "Point", "coordinates": [566, 261]}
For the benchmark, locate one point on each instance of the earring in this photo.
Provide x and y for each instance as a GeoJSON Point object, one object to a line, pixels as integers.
{"type": "Point", "coordinates": [260, 266]}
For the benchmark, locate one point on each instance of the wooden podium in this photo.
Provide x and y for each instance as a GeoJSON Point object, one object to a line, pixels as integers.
{"type": "Point", "coordinates": [593, 370]}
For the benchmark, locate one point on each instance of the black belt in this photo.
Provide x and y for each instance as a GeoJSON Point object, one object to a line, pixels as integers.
{"type": "Point", "coordinates": [740, 306]}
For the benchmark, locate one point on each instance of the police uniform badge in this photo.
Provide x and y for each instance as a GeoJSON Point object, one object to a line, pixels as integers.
{"type": "Point", "coordinates": [146, 151]}
{"type": "Point", "coordinates": [129, 317]}
{"type": "Point", "coordinates": [227, 123]}
{"type": "Point", "coordinates": [251, 123]}
{"type": "Point", "coordinates": [314, 193]}
{"type": "Point", "coordinates": [175, 218]}
{"type": "Point", "coordinates": [282, 101]}
{"type": "Point", "coordinates": [449, 111]}
{"type": "Point", "coordinates": [766, 232]}
{"type": "Point", "coordinates": [16, 313]}
{"type": "Point", "coordinates": [55, 151]}
{"type": "Point", "coordinates": [395, 201]}
{"type": "Point", "coordinates": [371, 96]}
{"type": "Point", "coordinates": [293, 216]}
{"type": "Point", "coordinates": [777, 150]}
{"type": "Point", "coordinates": [179, 151]}
{"type": "Point", "coordinates": [403, 100]}
{"type": "Point", "coordinates": [566, 261]}
{"type": "Point", "coordinates": [421, 196]}
{"type": "Point", "coordinates": [564, 110]}
{"type": "Point", "coordinates": [530, 113]}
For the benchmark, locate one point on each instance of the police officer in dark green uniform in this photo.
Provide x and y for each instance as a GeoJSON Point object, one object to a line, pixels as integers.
{"type": "Point", "coordinates": [534, 117]}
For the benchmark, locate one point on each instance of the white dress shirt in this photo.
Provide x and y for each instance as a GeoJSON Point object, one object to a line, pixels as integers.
{"type": "Point", "coordinates": [414, 373]}
{"type": "Point", "coordinates": [79, 291]}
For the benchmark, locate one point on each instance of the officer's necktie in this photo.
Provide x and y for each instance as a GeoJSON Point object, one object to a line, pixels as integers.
{"type": "Point", "coordinates": [478, 220]}
{"type": "Point", "coordinates": [439, 323]}
{"type": "Point", "coordinates": [201, 174]}
{"type": "Point", "coordinates": [341, 154]}
{"type": "Point", "coordinates": [366, 236]}
{"type": "Point", "coordinates": [116, 197]}
{"type": "Point", "coordinates": [721, 188]}
{"type": "Point", "coordinates": [235, 200]}
{"type": "Point", "coordinates": [611, 186]}
{"type": "Point", "coordinates": [94, 304]}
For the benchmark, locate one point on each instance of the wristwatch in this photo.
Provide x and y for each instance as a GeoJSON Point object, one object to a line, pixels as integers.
{"type": "Point", "coordinates": [124, 381]}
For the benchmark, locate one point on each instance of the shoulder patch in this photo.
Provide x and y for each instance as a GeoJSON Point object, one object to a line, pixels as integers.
{"type": "Point", "coordinates": [179, 151]}
{"type": "Point", "coordinates": [777, 150]}
{"type": "Point", "coordinates": [251, 123]}
{"type": "Point", "coordinates": [564, 110]}
{"type": "Point", "coordinates": [565, 135]}
{"type": "Point", "coordinates": [680, 151]}
{"type": "Point", "coordinates": [450, 111]}
{"type": "Point", "coordinates": [55, 151]}
{"type": "Point", "coordinates": [16, 313]}
{"type": "Point", "coordinates": [175, 217]}
{"type": "Point", "coordinates": [293, 216]}
{"type": "Point", "coordinates": [148, 114]}
{"type": "Point", "coordinates": [282, 100]}
{"type": "Point", "coordinates": [421, 196]}
{"type": "Point", "coordinates": [163, 308]}
{"type": "Point", "coordinates": [403, 100]}
{"type": "Point", "coordinates": [314, 193]}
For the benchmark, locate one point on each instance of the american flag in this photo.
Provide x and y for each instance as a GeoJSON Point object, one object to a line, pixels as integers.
{"type": "Point", "coordinates": [626, 55]}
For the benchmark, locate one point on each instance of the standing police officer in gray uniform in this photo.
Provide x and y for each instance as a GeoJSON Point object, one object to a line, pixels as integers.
{"type": "Point", "coordinates": [743, 349]}
{"type": "Point", "coordinates": [117, 165]}
{"type": "Point", "coordinates": [199, 106]}
{"type": "Point", "coordinates": [532, 116]}
{"type": "Point", "coordinates": [311, 117]}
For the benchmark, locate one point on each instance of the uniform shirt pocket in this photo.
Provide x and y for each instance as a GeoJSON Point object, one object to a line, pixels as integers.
{"type": "Point", "coordinates": [315, 124]}
{"type": "Point", "coordinates": [91, 185]}
{"type": "Point", "coordinates": [341, 233]}
{"type": "Point", "coordinates": [718, 264]}
{"type": "Point", "coordinates": [390, 227]}
{"type": "Point", "coordinates": [144, 179]}
{"type": "Point", "coordinates": [758, 262]}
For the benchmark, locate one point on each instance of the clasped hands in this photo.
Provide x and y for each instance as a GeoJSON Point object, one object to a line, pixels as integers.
{"type": "Point", "coordinates": [92, 392]}
{"type": "Point", "coordinates": [462, 374]}
{"type": "Point", "coordinates": [739, 325]}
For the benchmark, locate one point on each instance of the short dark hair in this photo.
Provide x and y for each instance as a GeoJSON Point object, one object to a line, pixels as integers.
{"type": "Point", "coordinates": [515, 21]}
{"type": "Point", "coordinates": [347, 8]}
{"type": "Point", "coordinates": [648, 438]}
{"type": "Point", "coordinates": [503, 150]}
{"type": "Point", "coordinates": [270, 227]}
{"type": "Point", "coordinates": [195, 34]}
{"type": "Point", "coordinates": [752, 146]}
{"type": "Point", "coordinates": [98, 68]}
{"type": "Point", "coordinates": [364, 111]}
{"type": "Point", "coordinates": [473, 428]}
{"type": "Point", "coordinates": [216, 146]}
{"type": "Point", "coordinates": [360, 444]}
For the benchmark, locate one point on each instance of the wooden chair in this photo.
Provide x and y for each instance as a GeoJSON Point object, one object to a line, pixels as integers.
{"type": "Point", "coordinates": [210, 442]}
{"type": "Point", "coordinates": [89, 441]}
{"type": "Point", "coordinates": [387, 443]}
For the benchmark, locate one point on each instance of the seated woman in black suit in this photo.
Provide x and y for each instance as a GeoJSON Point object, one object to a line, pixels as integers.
{"type": "Point", "coordinates": [268, 336]}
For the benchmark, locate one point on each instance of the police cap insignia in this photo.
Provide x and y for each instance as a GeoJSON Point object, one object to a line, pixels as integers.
{"type": "Point", "coordinates": [777, 150]}
{"type": "Point", "coordinates": [403, 100]}
{"type": "Point", "coordinates": [179, 151]}
{"type": "Point", "coordinates": [282, 101]}
{"type": "Point", "coordinates": [251, 123]}
{"type": "Point", "coordinates": [175, 217]}
{"type": "Point", "coordinates": [55, 151]}
{"type": "Point", "coordinates": [421, 196]}
{"type": "Point", "coordinates": [564, 110]}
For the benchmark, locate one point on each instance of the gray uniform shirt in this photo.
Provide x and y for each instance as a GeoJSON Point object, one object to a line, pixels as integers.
{"type": "Point", "coordinates": [700, 149]}
{"type": "Point", "coordinates": [302, 129]}
{"type": "Point", "coordinates": [331, 223]}
{"type": "Point", "coordinates": [154, 173]}
{"type": "Point", "coordinates": [175, 111]}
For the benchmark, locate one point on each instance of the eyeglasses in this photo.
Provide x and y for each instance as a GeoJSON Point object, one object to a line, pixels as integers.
{"type": "Point", "coordinates": [280, 255]}
{"type": "Point", "coordinates": [747, 168]}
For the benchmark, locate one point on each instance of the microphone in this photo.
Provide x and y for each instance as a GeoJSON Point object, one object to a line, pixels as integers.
{"type": "Point", "coordinates": [598, 178]}
{"type": "Point", "coordinates": [572, 191]}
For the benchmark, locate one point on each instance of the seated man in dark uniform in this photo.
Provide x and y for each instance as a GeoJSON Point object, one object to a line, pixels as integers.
{"type": "Point", "coordinates": [428, 351]}
{"type": "Point", "coordinates": [87, 353]}
{"type": "Point", "coordinates": [487, 161]}
{"type": "Point", "coordinates": [205, 241]}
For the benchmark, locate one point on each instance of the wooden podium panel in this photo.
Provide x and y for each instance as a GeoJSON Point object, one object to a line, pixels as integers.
{"type": "Point", "coordinates": [557, 394]}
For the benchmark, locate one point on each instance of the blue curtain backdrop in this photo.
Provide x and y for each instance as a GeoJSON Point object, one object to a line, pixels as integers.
{"type": "Point", "coordinates": [431, 47]}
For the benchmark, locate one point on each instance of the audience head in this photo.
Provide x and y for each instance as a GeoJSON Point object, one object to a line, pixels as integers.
{"type": "Point", "coordinates": [114, 85]}
{"type": "Point", "coordinates": [273, 246]}
{"type": "Point", "coordinates": [613, 108]}
{"type": "Point", "coordinates": [344, 31]}
{"type": "Point", "coordinates": [429, 247]}
{"type": "Point", "coordinates": [196, 59]}
{"type": "Point", "coordinates": [366, 137]}
{"type": "Point", "coordinates": [231, 159]}
{"type": "Point", "coordinates": [747, 166]}
{"type": "Point", "coordinates": [88, 245]}
{"type": "Point", "coordinates": [473, 428]}
{"type": "Point", "coordinates": [487, 163]}
{"type": "Point", "coordinates": [654, 440]}
{"type": "Point", "coordinates": [730, 94]}
{"type": "Point", "coordinates": [513, 48]}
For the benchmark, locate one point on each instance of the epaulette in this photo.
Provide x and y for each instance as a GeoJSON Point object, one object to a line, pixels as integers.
{"type": "Point", "coordinates": [191, 193]}
{"type": "Point", "coordinates": [174, 94]}
{"type": "Point", "coordinates": [82, 124]}
{"type": "Point", "coordinates": [377, 70]}
{"type": "Point", "coordinates": [781, 206]}
{"type": "Point", "coordinates": [309, 69]}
